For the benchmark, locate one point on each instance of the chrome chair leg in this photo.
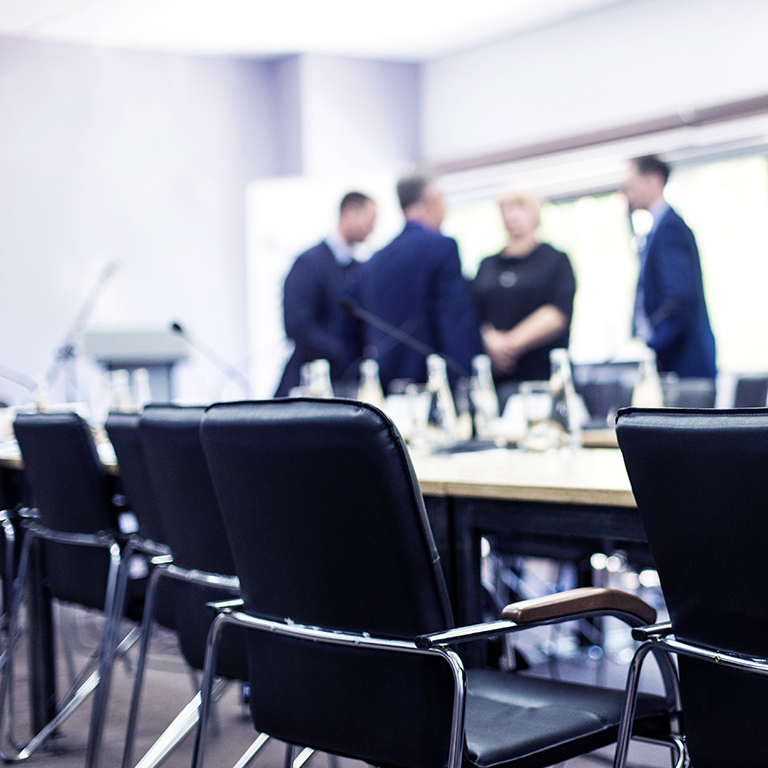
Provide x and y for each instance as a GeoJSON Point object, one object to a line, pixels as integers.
{"type": "Point", "coordinates": [147, 621]}
{"type": "Point", "coordinates": [7, 719]}
{"type": "Point", "coordinates": [188, 717]}
{"type": "Point", "coordinates": [209, 667]}
{"type": "Point", "coordinates": [252, 751]}
{"type": "Point", "coordinates": [69, 707]}
{"type": "Point", "coordinates": [679, 753]}
{"type": "Point", "coordinates": [290, 755]}
{"type": "Point", "coordinates": [110, 647]}
{"type": "Point", "coordinates": [117, 583]}
{"type": "Point", "coordinates": [182, 724]}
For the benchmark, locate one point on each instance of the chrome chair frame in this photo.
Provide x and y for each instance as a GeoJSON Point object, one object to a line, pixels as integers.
{"type": "Point", "coordinates": [110, 648]}
{"type": "Point", "coordinates": [188, 717]}
{"type": "Point", "coordinates": [228, 616]}
{"type": "Point", "coordinates": [658, 639]}
{"type": "Point", "coordinates": [433, 644]}
{"type": "Point", "coordinates": [8, 626]}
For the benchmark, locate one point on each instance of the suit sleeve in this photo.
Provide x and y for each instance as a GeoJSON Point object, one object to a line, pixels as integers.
{"type": "Point", "coordinates": [675, 276]}
{"type": "Point", "coordinates": [457, 325]}
{"type": "Point", "coordinates": [302, 305]}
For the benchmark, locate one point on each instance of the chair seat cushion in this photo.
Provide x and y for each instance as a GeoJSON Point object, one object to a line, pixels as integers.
{"type": "Point", "coordinates": [548, 721]}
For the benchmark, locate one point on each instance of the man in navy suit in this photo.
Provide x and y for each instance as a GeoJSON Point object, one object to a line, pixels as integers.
{"type": "Point", "coordinates": [313, 288]}
{"type": "Point", "coordinates": [415, 284]}
{"type": "Point", "coordinates": [670, 309]}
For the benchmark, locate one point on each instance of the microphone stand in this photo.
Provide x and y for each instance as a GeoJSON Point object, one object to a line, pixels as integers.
{"type": "Point", "coordinates": [214, 357]}
{"type": "Point", "coordinates": [65, 354]}
{"type": "Point", "coordinates": [354, 309]}
{"type": "Point", "coordinates": [18, 378]}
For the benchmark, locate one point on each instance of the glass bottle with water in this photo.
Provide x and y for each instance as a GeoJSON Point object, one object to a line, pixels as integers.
{"type": "Point", "coordinates": [370, 390]}
{"type": "Point", "coordinates": [485, 401]}
{"type": "Point", "coordinates": [648, 392]}
{"type": "Point", "coordinates": [565, 414]}
{"type": "Point", "coordinates": [441, 419]}
{"type": "Point", "coordinates": [320, 379]}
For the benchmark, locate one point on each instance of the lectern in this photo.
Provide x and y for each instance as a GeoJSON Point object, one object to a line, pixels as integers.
{"type": "Point", "coordinates": [157, 351]}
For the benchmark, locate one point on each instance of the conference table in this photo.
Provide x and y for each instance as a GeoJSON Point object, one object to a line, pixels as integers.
{"type": "Point", "coordinates": [561, 503]}
{"type": "Point", "coordinates": [564, 504]}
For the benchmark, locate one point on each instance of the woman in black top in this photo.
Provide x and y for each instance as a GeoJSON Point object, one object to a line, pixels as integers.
{"type": "Point", "coordinates": [524, 296]}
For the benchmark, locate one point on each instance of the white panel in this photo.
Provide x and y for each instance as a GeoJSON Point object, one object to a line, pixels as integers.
{"type": "Point", "coordinates": [628, 63]}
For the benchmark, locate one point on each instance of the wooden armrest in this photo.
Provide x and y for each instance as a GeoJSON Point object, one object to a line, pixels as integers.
{"type": "Point", "coordinates": [579, 601]}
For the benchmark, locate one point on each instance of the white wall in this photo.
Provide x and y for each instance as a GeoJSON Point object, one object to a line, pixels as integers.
{"type": "Point", "coordinates": [357, 115]}
{"type": "Point", "coordinates": [638, 60]}
{"type": "Point", "coordinates": [141, 158]}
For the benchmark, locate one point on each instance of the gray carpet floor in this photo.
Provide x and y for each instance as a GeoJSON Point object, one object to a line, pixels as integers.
{"type": "Point", "coordinates": [169, 685]}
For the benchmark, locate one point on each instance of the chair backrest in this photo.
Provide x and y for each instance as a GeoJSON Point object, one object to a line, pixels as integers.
{"type": "Point", "coordinates": [751, 391]}
{"type": "Point", "coordinates": [687, 392]}
{"type": "Point", "coordinates": [699, 478]}
{"type": "Point", "coordinates": [70, 486]}
{"type": "Point", "coordinates": [605, 387]}
{"type": "Point", "coordinates": [181, 484]}
{"type": "Point", "coordinates": [73, 493]}
{"type": "Point", "coordinates": [192, 524]}
{"type": "Point", "coordinates": [328, 528]}
{"type": "Point", "coordinates": [123, 432]}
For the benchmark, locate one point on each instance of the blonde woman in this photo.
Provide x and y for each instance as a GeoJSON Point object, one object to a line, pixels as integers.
{"type": "Point", "coordinates": [524, 296]}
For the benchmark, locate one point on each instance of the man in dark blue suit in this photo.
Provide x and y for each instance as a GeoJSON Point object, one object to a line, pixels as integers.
{"type": "Point", "coordinates": [415, 284]}
{"type": "Point", "coordinates": [670, 309]}
{"type": "Point", "coordinates": [313, 288]}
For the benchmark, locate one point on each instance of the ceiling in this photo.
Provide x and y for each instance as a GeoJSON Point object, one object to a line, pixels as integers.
{"type": "Point", "coordinates": [410, 30]}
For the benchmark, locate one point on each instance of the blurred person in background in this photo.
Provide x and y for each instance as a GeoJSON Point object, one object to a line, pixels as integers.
{"type": "Point", "coordinates": [415, 284]}
{"type": "Point", "coordinates": [524, 297]}
{"type": "Point", "coordinates": [670, 309]}
{"type": "Point", "coordinates": [313, 288]}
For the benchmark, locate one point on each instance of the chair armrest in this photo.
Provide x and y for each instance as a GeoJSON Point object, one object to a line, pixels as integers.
{"type": "Point", "coordinates": [226, 606]}
{"type": "Point", "coordinates": [641, 634]}
{"type": "Point", "coordinates": [579, 601]}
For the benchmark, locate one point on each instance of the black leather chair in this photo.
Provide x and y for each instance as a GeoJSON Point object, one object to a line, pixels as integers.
{"type": "Point", "coordinates": [123, 432]}
{"type": "Point", "coordinates": [700, 481]}
{"type": "Point", "coordinates": [81, 554]}
{"type": "Point", "coordinates": [604, 388]}
{"type": "Point", "coordinates": [350, 625]}
{"type": "Point", "coordinates": [687, 392]}
{"type": "Point", "coordinates": [202, 568]}
{"type": "Point", "coordinates": [751, 391]}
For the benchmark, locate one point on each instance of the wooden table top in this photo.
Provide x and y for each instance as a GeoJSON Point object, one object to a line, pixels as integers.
{"type": "Point", "coordinates": [594, 476]}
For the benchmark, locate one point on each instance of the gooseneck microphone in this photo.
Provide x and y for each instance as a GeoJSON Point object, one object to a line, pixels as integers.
{"type": "Point", "coordinates": [65, 354]}
{"type": "Point", "coordinates": [18, 378]}
{"type": "Point", "coordinates": [353, 308]}
{"type": "Point", "coordinates": [212, 356]}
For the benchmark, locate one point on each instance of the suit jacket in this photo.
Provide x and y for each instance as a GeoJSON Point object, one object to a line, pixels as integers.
{"type": "Point", "coordinates": [313, 319]}
{"type": "Point", "coordinates": [415, 283]}
{"type": "Point", "coordinates": [673, 295]}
